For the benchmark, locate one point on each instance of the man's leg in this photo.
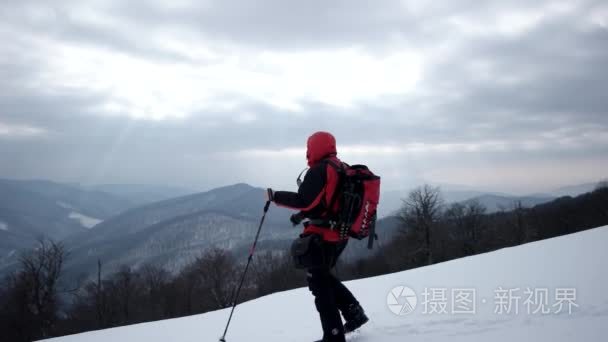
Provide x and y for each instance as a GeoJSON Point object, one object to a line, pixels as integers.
{"type": "Point", "coordinates": [320, 284]}
{"type": "Point", "coordinates": [344, 298]}
{"type": "Point", "coordinates": [353, 313]}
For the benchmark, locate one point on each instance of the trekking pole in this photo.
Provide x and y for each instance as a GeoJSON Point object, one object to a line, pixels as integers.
{"type": "Point", "coordinates": [238, 290]}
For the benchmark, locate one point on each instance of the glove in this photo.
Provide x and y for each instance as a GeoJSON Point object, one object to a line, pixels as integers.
{"type": "Point", "coordinates": [296, 219]}
{"type": "Point", "coordinates": [269, 195]}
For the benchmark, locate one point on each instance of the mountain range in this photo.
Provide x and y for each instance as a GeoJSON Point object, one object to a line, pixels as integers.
{"type": "Point", "coordinates": [173, 232]}
{"type": "Point", "coordinates": [141, 194]}
{"type": "Point", "coordinates": [30, 210]}
{"type": "Point", "coordinates": [137, 229]}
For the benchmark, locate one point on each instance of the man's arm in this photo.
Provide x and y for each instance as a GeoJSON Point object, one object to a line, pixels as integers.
{"type": "Point", "coordinates": [309, 194]}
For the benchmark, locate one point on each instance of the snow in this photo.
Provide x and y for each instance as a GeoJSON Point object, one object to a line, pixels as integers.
{"type": "Point", "coordinates": [3, 226]}
{"type": "Point", "coordinates": [577, 261]}
{"type": "Point", "coordinates": [85, 221]}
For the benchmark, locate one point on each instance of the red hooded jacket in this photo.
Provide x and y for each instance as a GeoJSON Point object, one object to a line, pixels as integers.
{"type": "Point", "coordinates": [318, 188]}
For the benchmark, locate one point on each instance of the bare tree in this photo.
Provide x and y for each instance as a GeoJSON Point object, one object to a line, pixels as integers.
{"type": "Point", "coordinates": [99, 294]}
{"type": "Point", "coordinates": [34, 290]}
{"type": "Point", "coordinates": [100, 298]}
{"type": "Point", "coordinates": [126, 288]}
{"type": "Point", "coordinates": [519, 222]}
{"type": "Point", "coordinates": [467, 219]}
{"type": "Point", "coordinates": [185, 285]}
{"type": "Point", "coordinates": [603, 184]}
{"type": "Point", "coordinates": [275, 273]}
{"type": "Point", "coordinates": [154, 280]}
{"type": "Point", "coordinates": [217, 269]}
{"type": "Point", "coordinates": [420, 212]}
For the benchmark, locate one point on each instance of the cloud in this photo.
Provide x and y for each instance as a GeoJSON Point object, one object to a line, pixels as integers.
{"type": "Point", "coordinates": [153, 89]}
{"type": "Point", "coordinates": [19, 131]}
{"type": "Point", "coordinates": [204, 93]}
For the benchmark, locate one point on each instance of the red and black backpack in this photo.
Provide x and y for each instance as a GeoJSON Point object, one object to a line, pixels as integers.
{"type": "Point", "coordinates": [358, 195]}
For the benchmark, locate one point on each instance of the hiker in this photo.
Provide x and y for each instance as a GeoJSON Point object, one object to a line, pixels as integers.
{"type": "Point", "coordinates": [320, 246]}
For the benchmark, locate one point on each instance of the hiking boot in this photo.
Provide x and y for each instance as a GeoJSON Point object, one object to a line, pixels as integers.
{"type": "Point", "coordinates": [330, 340]}
{"type": "Point", "coordinates": [355, 317]}
{"type": "Point", "coordinates": [336, 336]}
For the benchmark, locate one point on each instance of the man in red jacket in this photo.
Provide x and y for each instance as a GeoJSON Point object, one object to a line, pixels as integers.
{"type": "Point", "coordinates": [314, 196]}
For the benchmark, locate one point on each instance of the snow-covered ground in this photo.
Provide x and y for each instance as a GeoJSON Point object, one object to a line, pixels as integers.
{"type": "Point", "coordinates": [85, 221]}
{"type": "Point", "coordinates": [570, 269]}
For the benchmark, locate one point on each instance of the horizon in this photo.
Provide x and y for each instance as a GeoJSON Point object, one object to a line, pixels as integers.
{"type": "Point", "coordinates": [452, 188]}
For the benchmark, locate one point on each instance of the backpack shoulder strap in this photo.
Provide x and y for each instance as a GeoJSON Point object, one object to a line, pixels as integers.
{"type": "Point", "coordinates": [341, 170]}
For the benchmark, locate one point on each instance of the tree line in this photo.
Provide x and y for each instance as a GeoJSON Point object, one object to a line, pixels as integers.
{"type": "Point", "coordinates": [433, 232]}
{"type": "Point", "coordinates": [36, 302]}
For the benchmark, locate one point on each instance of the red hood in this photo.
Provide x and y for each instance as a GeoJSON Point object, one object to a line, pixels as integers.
{"type": "Point", "coordinates": [320, 145]}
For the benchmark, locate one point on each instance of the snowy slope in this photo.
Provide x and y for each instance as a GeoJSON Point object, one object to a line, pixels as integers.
{"type": "Point", "coordinates": [577, 261]}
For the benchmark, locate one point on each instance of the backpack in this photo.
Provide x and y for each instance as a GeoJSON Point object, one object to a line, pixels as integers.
{"type": "Point", "coordinates": [358, 195]}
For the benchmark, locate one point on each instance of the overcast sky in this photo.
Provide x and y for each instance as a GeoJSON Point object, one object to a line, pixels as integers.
{"type": "Point", "coordinates": [501, 95]}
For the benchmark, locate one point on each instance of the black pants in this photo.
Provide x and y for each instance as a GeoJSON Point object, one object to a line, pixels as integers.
{"type": "Point", "coordinates": [331, 296]}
